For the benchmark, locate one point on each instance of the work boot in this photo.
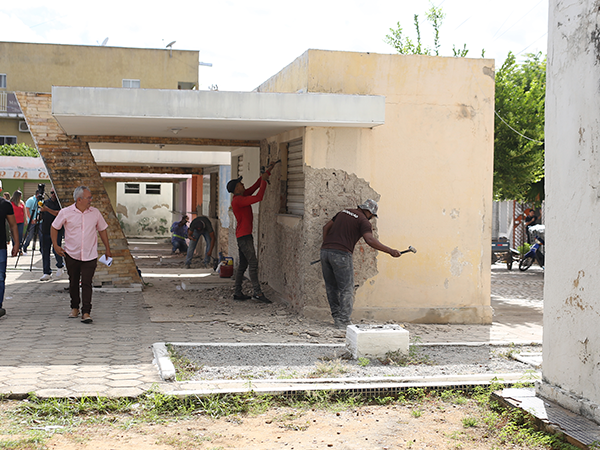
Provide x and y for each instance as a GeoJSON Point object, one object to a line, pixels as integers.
{"type": "Point", "coordinates": [261, 298]}
{"type": "Point", "coordinates": [2, 312]}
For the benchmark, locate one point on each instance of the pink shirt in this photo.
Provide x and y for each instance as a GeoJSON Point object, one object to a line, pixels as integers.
{"type": "Point", "coordinates": [81, 237]}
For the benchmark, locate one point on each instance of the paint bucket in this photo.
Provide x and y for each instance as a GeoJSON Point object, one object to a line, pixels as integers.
{"type": "Point", "coordinates": [226, 267]}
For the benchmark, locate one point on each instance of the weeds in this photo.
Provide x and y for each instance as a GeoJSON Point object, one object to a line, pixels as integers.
{"type": "Point", "coordinates": [363, 362]}
{"type": "Point", "coordinates": [184, 368]}
{"type": "Point", "coordinates": [413, 357]}
{"type": "Point", "coordinates": [329, 369]}
{"type": "Point", "coordinates": [503, 428]}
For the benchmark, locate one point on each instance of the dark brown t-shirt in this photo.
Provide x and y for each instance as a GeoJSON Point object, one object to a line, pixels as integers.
{"type": "Point", "coordinates": [349, 225]}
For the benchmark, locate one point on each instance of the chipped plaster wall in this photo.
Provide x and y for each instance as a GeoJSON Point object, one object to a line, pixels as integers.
{"type": "Point", "coordinates": [571, 303]}
{"type": "Point", "coordinates": [144, 215]}
{"type": "Point", "coordinates": [430, 167]}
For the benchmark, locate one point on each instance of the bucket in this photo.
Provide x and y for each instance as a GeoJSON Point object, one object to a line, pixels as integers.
{"type": "Point", "coordinates": [225, 271]}
{"type": "Point", "coordinates": [226, 267]}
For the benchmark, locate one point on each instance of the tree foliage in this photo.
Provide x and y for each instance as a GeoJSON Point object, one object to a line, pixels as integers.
{"type": "Point", "coordinates": [18, 150]}
{"type": "Point", "coordinates": [519, 128]}
{"type": "Point", "coordinates": [406, 46]}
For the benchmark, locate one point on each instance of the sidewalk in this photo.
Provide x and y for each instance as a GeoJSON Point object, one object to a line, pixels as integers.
{"type": "Point", "coordinates": [46, 353]}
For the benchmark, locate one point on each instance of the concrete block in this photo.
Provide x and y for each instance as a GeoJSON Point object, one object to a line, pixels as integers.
{"type": "Point", "coordinates": [376, 340]}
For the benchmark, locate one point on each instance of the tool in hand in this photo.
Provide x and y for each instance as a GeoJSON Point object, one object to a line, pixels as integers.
{"type": "Point", "coordinates": [410, 249]}
{"type": "Point", "coordinates": [263, 169]}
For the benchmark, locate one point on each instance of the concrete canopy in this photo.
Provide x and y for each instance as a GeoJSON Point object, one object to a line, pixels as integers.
{"type": "Point", "coordinates": [84, 111]}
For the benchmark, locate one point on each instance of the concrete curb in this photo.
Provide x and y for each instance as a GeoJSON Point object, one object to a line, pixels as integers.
{"type": "Point", "coordinates": [166, 369]}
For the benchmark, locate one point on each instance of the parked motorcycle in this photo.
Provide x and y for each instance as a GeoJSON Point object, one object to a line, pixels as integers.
{"type": "Point", "coordinates": [535, 253]}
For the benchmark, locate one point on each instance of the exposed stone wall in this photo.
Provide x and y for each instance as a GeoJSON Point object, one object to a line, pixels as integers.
{"type": "Point", "coordinates": [288, 244]}
{"type": "Point", "coordinates": [70, 164]}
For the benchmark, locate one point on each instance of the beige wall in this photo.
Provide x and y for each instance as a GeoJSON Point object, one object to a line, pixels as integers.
{"type": "Point", "coordinates": [37, 67]}
{"type": "Point", "coordinates": [430, 169]}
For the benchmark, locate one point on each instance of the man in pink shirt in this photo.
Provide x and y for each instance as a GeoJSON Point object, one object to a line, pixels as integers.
{"type": "Point", "coordinates": [82, 224]}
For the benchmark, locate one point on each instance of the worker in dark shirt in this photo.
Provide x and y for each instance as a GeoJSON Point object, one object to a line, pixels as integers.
{"type": "Point", "coordinates": [340, 235]}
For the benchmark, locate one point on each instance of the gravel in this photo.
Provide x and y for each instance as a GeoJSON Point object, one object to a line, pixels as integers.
{"type": "Point", "coordinates": [281, 361]}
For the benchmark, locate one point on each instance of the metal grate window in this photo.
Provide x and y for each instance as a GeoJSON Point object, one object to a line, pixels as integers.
{"type": "Point", "coordinates": [132, 188]}
{"type": "Point", "coordinates": [295, 179]}
{"type": "Point", "coordinates": [2, 81]}
{"type": "Point", "coordinates": [153, 189]}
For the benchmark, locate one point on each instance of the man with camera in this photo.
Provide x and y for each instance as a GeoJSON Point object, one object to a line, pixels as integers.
{"type": "Point", "coordinates": [32, 206]}
{"type": "Point", "coordinates": [49, 211]}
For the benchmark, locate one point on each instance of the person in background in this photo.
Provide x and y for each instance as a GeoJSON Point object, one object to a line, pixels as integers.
{"type": "Point", "coordinates": [32, 208]}
{"type": "Point", "coordinates": [49, 211]}
{"type": "Point", "coordinates": [82, 224]}
{"type": "Point", "coordinates": [180, 232]}
{"type": "Point", "coordinates": [20, 216]}
{"type": "Point", "coordinates": [6, 196]}
{"type": "Point", "coordinates": [6, 216]}
{"type": "Point", "coordinates": [200, 226]}
{"type": "Point", "coordinates": [530, 220]}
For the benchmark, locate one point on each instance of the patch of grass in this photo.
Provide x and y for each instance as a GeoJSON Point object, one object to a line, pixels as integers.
{"type": "Point", "coordinates": [363, 362]}
{"type": "Point", "coordinates": [469, 422]}
{"type": "Point", "coordinates": [184, 368]}
{"type": "Point", "coordinates": [329, 369]}
{"type": "Point", "coordinates": [416, 413]}
{"type": "Point", "coordinates": [413, 357]}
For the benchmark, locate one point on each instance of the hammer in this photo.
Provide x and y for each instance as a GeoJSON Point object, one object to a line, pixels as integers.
{"type": "Point", "coordinates": [409, 249]}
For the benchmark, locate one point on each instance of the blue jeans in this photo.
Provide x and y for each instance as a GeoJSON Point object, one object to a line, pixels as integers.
{"type": "Point", "coordinates": [247, 259]}
{"type": "Point", "coordinates": [46, 244]}
{"type": "Point", "coordinates": [3, 257]}
{"type": "Point", "coordinates": [192, 247]}
{"type": "Point", "coordinates": [338, 273]}
{"type": "Point", "coordinates": [179, 244]}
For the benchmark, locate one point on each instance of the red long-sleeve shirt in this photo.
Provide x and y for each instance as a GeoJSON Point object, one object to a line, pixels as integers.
{"type": "Point", "coordinates": [242, 207]}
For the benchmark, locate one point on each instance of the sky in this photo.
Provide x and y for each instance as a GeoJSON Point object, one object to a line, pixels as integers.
{"type": "Point", "coordinates": [247, 42]}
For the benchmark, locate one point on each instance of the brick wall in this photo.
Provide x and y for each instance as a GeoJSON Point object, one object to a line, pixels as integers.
{"type": "Point", "coordinates": [70, 164]}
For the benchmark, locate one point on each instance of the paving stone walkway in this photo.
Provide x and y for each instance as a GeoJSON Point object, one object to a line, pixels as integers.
{"type": "Point", "coordinates": [51, 355]}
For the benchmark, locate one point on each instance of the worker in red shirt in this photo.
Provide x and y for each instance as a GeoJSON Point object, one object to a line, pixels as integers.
{"type": "Point", "coordinates": [241, 204]}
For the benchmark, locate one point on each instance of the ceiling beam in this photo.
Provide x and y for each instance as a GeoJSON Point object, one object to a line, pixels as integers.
{"type": "Point", "coordinates": [170, 141]}
{"type": "Point", "coordinates": [151, 169]}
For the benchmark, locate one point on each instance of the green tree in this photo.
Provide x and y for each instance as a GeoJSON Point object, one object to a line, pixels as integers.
{"type": "Point", "coordinates": [18, 150]}
{"type": "Point", "coordinates": [519, 128]}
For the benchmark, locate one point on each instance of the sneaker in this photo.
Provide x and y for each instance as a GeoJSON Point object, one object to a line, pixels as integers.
{"type": "Point", "coordinates": [24, 253]}
{"type": "Point", "coordinates": [2, 312]}
{"type": "Point", "coordinates": [241, 297]}
{"type": "Point", "coordinates": [261, 298]}
{"type": "Point", "coordinates": [59, 273]}
{"type": "Point", "coordinates": [46, 277]}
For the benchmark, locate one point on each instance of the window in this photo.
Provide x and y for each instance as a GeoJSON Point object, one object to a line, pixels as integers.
{"type": "Point", "coordinates": [153, 189]}
{"type": "Point", "coordinates": [127, 83]}
{"type": "Point", "coordinates": [132, 188]}
{"type": "Point", "coordinates": [294, 198]}
{"type": "Point", "coordinates": [2, 81]}
{"type": "Point", "coordinates": [8, 140]}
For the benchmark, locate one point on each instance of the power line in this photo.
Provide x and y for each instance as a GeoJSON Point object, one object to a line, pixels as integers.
{"type": "Point", "coordinates": [522, 17]}
{"type": "Point", "coordinates": [517, 54]}
{"type": "Point", "coordinates": [520, 134]}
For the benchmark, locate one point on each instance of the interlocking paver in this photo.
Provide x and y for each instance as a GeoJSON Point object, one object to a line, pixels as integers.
{"type": "Point", "coordinates": [45, 352]}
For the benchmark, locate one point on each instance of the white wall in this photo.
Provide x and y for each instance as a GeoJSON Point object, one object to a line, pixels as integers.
{"type": "Point", "coordinates": [571, 350]}
{"type": "Point", "coordinates": [145, 215]}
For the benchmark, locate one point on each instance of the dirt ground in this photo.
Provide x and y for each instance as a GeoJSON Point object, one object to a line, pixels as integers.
{"type": "Point", "coordinates": [432, 425]}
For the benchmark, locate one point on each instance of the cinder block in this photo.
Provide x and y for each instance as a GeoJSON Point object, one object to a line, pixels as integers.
{"type": "Point", "coordinates": [376, 340]}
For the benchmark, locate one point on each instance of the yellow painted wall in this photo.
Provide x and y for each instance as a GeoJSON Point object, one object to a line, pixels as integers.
{"type": "Point", "coordinates": [37, 67]}
{"type": "Point", "coordinates": [432, 165]}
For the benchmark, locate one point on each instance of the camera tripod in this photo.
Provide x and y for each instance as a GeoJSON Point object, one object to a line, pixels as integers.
{"type": "Point", "coordinates": [36, 231]}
